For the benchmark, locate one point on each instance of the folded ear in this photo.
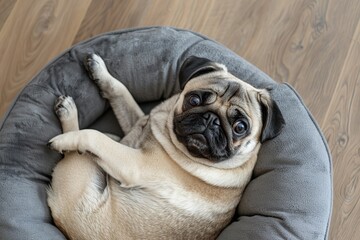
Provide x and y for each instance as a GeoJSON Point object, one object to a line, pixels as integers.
{"type": "Point", "coordinates": [195, 66]}
{"type": "Point", "coordinates": [273, 121]}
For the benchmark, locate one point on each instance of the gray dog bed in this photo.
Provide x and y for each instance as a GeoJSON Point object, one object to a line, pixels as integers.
{"type": "Point", "coordinates": [289, 196]}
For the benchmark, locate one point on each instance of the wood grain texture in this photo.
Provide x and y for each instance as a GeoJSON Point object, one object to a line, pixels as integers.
{"type": "Point", "coordinates": [5, 8]}
{"type": "Point", "coordinates": [312, 44]}
{"type": "Point", "coordinates": [111, 15]}
{"type": "Point", "coordinates": [341, 128]}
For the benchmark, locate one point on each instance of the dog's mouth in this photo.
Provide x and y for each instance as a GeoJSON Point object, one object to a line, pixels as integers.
{"type": "Point", "coordinates": [197, 144]}
{"type": "Point", "coordinates": [201, 139]}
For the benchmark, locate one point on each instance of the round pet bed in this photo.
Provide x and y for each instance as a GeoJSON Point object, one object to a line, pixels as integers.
{"type": "Point", "coordinates": [289, 196]}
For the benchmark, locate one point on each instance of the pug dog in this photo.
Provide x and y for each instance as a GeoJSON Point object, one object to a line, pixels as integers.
{"type": "Point", "coordinates": [178, 173]}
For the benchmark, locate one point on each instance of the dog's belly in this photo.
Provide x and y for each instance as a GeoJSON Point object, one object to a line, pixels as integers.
{"type": "Point", "coordinates": [148, 214]}
{"type": "Point", "coordinates": [139, 213]}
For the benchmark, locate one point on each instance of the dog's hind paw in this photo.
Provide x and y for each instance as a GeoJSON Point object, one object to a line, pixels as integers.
{"type": "Point", "coordinates": [95, 66]}
{"type": "Point", "coordinates": [65, 108]}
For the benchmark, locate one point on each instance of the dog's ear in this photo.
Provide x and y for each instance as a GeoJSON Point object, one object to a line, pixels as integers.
{"type": "Point", "coordinates": [272, 119]}
{"type": "Point", "coordinates": [195, 66]}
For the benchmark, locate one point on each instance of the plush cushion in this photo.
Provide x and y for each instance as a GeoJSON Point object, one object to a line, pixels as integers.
{"type": "Point", "coordinates": [289, 196]}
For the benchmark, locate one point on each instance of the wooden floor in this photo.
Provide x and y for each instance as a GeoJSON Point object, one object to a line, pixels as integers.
{"type": "Point", "coordinates": [312, 44]}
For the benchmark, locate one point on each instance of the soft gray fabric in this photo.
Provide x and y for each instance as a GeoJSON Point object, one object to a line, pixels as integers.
{"type": "Point", "coordinates": [289, 197]}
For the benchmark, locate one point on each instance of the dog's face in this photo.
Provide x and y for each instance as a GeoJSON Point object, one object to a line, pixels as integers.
{"type": "Point", "coordinates": [218, 116]}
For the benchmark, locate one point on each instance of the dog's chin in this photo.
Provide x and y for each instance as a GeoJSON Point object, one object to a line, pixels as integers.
{"type": "Point", "coordinates": [197, 145]}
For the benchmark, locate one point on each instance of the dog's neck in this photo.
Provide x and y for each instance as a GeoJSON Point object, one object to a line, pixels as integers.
{"type": "Point", "coordinates": [230, 173]}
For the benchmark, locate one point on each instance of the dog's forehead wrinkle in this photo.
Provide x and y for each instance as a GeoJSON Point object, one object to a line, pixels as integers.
{"type": "Point", "coordinates": [222, 92]}
{"type": "Point", "coordinates": [235, 91]}
{"type": "Point", "coordinates": [244, 99]}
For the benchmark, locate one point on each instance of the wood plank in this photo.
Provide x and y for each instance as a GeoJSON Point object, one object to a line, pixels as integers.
{"type": "Point", "coordinates": [341, 126]}
{"type": "Point", "coordinates": [229, 22]}
{"type": "Point", "coordinates": [217, 19]}
{"type": "Point", "coordinates": [113, 15]}
{"type": "Point", "coordinates": [5, 8]}
{"type": "Point", "coordinates": [109, 16]}
{"type": "Point", "coordinates": [35, 32]}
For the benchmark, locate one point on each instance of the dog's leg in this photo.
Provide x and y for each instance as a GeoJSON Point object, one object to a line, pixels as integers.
{"type": "Point", "coordinates": [121, 162]}
{"type": "Point", "coordinates": [126, 110]}
{"type": "Point", "coordinates": [65, 191]}
{"type": "Point", "coordinates": [66, 111]}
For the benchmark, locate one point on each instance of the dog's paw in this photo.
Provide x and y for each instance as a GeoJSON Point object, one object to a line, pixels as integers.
{"type": "Point", "coordinates": [97, 70]}
{"type": "Point", "coordinates": [57, 144]}
{"type": "Point", "coordinates": [66, 142]}
{"type": "Point", "coordinates": [65, 108]}
{"type": "Point", "coordinates": [96, 67]}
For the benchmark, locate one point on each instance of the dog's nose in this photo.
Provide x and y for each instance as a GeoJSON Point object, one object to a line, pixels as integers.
{"type": "Point", "coordinates": [211, 118]}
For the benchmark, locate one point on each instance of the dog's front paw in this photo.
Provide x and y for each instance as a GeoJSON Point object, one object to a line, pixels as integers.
{"type": "Point", "coordinates": [66, 142]}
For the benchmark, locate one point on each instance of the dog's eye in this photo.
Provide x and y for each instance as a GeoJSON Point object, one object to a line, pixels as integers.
{"type": "Point", "coordinates": [240, 127]}
{"type": "Point", "coordinates": [194, 100]}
